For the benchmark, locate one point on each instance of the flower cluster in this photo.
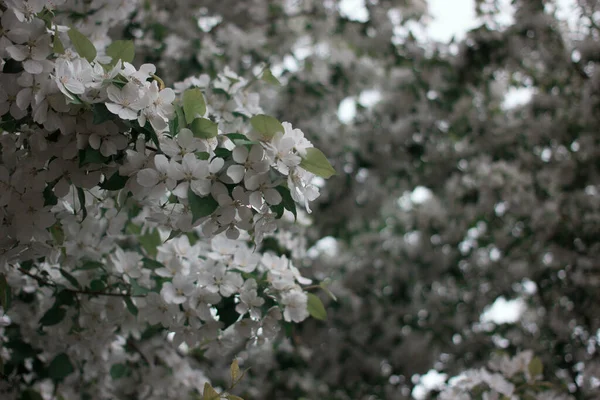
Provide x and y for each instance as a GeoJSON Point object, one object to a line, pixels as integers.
{"type": "Point", "coordinates": [129, 207]}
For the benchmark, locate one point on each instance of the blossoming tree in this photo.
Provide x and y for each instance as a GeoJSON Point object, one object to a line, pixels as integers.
{"type": "Point", "coordinates": [161, 226]}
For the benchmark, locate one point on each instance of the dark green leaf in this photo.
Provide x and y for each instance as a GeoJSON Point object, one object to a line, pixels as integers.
{"type": "Point", "coordinates": [5, 293]}
{"type": "Point", "coordinates": [118, 371]}
{"type": "Point", "coordinates": [115, 182]}
{"type": "Point", "coordinates": [201, 206]}
{"type": "Point", "coordinates": [137, 290]}
{"type": "Point", "coordinates": [130, 306]}
{"type": "Point", "coordinates": [90, 265]}
{"type": "Point", "coordinates": [150, 242]}
{"type": "Point", "coordinates": [30, 394]}
{"type": "Point", "coordinates": [81, 197]}
{"type": "Point", "coordinates": [222, 153]}
{"type": "Point", "coordinates": [60, 367]}
{"type": "Point", "coordinates": [53, 316]}
{"type": "Point", "coordinates": [97, 285]}
{"type": "Point", "coordinates": [50, 198]}
{"type": "Point", "coordinates": [91, 156]}
{"type": "Point", "coordinates": [101, 114]}
{"type": "Point", "coordinates": [151, 264]}
{"type": "Point", "coordinates": [286, 199]}
{"type": "Point", "coordinates": [69, 277]}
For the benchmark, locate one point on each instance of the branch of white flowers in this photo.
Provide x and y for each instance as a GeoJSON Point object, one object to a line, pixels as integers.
{"type": "Point", "coordinates": [44, 282]}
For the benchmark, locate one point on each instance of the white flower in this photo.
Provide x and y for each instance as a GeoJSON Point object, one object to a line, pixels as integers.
{"type": "Point", "coordinates": [295, 302]}
{"type": "Point", "coordinates": [194, 174]}
{"type": "Point", "coordinates": [161, 178]}
{"type": "Point", "coordinates": [261, 186]}
{"type": "Point", "coordinates": [249, 163]}
{"type": "Point", "coordinates": [249, 300]}
{"type": "Point", "coordinates": [178, 290]}
{"type": "Point", "coordinates": [280, 150]}
{"type": "Point", "coordinates": [127, 101]}
{"type": "Point", "coordinates": [127, 262]}
{"type": "Point", "coordinates": [72, 76]}
{"type": "Point", "coordinates": [184, 143]}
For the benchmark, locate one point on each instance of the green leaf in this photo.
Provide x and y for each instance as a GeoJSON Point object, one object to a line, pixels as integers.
{"type": "Point", "coordinates": [118, 371]}
{"type": "Point", "coordinates": [84, 47]}
{"type": "Point", "coordinates": [209, 392]}
{"type": "Point", "coordinates": [115, 182]}
{"type": "Point", "coordinates": [90, 265]}
{"type": "Point", "coordinates": [535, 367]}
{"type": "Point", "coordinates": [53, 316]}
{"type": "Point", "coordinates": [69, 277]}
{"type": "Point", "coordinates": [101, 114]}
{"type": "Point", "coordinates": [60, 367]}
{"type": "Point", "coordinates": [5, 294]}
{"type": "Point", "coordinates": [177, 122]}
{"type": "Point", "coordinates": [204, 128]}
{"type": "Point", "coordinates": [323, 286]}
{"type": "Point", "coordinates": [91, 156]}
{"type": "Point", "coordinates": [233, 397]}
{"type": "Point", "coordinates": [65, 297]}
{"type": "Point", "coordinates": [57, 46]}
{"type": "Point", "coordinates": [151, 264]}
{"type": "Point", "coordinates": [57, 233]}
{"type": "Point", "coordinates": [123, 50]}
{"type": "Point", "coordinates": [201, 206]}
{"type": "Point", "coordinates": [193, 104]}
{"type": "Point", "coordinates": [315, 307]}
{"type": "Point", "coordinates": [268, 77]}
{"type": "Point", "coordinates": [136, 289]}
{"type": "Point", "coordinates": [316, 162]}
{"type": "Point", "coordinates": [130, 307]}
{"type": "Point", "coordinates": [30, 394]}
{"type": "Point", "coordinates": [266, 125]}
{"type": "Point", "coordinates": [239, 140]}
{"type": "Point", "coordinates": [234, 371]}
{"type": "Point", "coordinates": [81, 197]}
{"type": "Point", "coordinates": [150, 242]}
{"type": "Point", "coordinates": [50, 198]}
{"type": "Point", "coordinates": [286, 199]}
{"type": "Point", "coordinates": [222, 153]}
{"type": "Point", "coordinates": [97, 285]}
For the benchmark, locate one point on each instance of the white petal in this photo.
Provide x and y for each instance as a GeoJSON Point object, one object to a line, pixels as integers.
{"type": "Point", "coordinates": [148, 177]}
{"type": "Point", "coordinates": [236, 173]}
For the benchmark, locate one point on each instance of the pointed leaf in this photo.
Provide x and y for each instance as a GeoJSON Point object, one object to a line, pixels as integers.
{"type": "Point", "coordinates": [268, 77]}
{"type": "Point", "coordinates": [201, 206]}
{"type": "Point", "coordinates": [193, 104]}
{"type": "Point", "coordinates": [316, 308]}
{"type": "Point", "coordinates": [115, 182]}
{"type": "Point", "coordinates": [209, 392]}
{"type": "Point", "coordinates": [5, 295]}
{"type": "Point", "coordinates": [316, 162]}
{"type": "Point", "coordinates": [53, 316]}
{"type": "Point", "coordinates": [123, 50]}
{"type": "Point", "coordinates": [84, 47]}
{"type": "Point", "coordinates": [60, 367]}
{"type": "Point", "coordinates": [266, 125]}
{"type": "Point", "coordinates": [72, 280]}
{"type": "Point", "coordinates": [235, 372]}
{"type": "Point", "coordinates": [535, 367]}
{"type": "Point", "coordinates": [204, 128]}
